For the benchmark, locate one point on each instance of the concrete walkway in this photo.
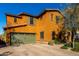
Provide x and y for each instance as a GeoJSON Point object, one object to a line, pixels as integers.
{"type": "Point", "coordinates": [36, 50]}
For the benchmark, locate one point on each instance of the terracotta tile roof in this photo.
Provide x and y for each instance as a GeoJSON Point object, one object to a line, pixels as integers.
{"type": "Point", "coordinates": [8, 14]}
{"type": "Point", "coordinates": [24, 13]}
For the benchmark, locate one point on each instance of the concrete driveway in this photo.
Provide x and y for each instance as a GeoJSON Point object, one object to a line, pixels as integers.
{"type": "Point", "coordinates": [36, 50]}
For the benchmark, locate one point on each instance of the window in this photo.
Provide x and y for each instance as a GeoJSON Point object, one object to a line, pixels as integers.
{"type": "Point", "coordinates": [31, 20]}
{"type": "Point", "coordinates": [15, 19]}
{"type": "Point", "coordinates": [13, 30]}
{"type": "Point", "coordinates": [51, 17]}
{"type": "Point", "coordinates": [57, 19]}
{"type": "Point", "coordinates": [42, 35]}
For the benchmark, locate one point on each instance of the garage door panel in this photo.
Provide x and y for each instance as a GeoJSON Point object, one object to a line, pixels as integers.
{"type": "Point", "coordinates": [22, 38]}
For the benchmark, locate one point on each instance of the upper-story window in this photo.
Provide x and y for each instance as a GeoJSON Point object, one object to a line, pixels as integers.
{"type": "Point", "coordinates": [41, 17]}
{"type": "Point", "coordinates": [15, 19]}
{"type": "Point", "coordinates": [31, 20]}
{"type": "Point", "coordinates": [57, 19]}
{"type": "Point", "coordinates": [51, 17]}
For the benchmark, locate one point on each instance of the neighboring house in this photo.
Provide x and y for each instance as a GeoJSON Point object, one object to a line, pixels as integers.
{"type": "Point", "coordinates": [26, 27]}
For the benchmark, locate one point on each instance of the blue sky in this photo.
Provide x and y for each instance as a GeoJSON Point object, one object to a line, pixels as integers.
{"type": "Point", "coordinates": [31, 8]}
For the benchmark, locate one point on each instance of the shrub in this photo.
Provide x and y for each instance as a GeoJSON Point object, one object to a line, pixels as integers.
{"type": "Point", "coordinates": [50, 42]}
{"type": "Point", "coordinates": [65, 46]}
{"type": "Point", "coordinates": [56, 41]}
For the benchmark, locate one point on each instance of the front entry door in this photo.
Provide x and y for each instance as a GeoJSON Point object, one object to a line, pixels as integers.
{"type": "Point", "coordinates": [53, 35]}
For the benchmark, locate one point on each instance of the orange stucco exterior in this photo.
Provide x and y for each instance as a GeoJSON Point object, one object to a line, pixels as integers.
{"type": "Point", "coordinates": [43, 23]}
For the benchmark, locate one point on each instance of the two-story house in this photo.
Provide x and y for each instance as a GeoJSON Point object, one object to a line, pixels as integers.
{"type": "Point", "coordinates": [41, 28]}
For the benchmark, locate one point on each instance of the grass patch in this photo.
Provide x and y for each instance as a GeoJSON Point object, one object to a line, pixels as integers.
{"type": "Point", "coordinates": [76, 47]}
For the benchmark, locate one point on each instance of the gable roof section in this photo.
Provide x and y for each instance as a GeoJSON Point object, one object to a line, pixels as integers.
{"type": "Point", "coordinates": [49, 10]}
{"type": "Point", "coordinates": [43, 12]}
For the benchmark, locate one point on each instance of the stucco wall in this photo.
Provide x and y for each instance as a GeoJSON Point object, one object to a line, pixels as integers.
{"type": "Point", "coordinates": [43, 23]}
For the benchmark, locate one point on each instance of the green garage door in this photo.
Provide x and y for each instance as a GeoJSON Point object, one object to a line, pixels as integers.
{"type": "Point", "coordinates": [19, 38]}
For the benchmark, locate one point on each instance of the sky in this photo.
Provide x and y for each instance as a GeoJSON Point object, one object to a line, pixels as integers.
{"type": "Point", "coordinates": [30, 8]}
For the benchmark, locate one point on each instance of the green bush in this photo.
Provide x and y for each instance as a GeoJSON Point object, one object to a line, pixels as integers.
{"type": "Point", "coordinates": [76, 47]}
{"type": "Point", "coordinates": [50, 42]}
{"type": "Point", "coordinates": [56, 41]}
{"type": "Point", "coordinates": [65, 46]}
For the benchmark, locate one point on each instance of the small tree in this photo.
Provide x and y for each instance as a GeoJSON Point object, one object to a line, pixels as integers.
{"type": "Point", "coordinates": [72, 18]}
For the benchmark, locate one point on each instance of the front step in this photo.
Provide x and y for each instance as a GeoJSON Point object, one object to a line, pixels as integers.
{"type": "Point", "coordinates": [42, 42]}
